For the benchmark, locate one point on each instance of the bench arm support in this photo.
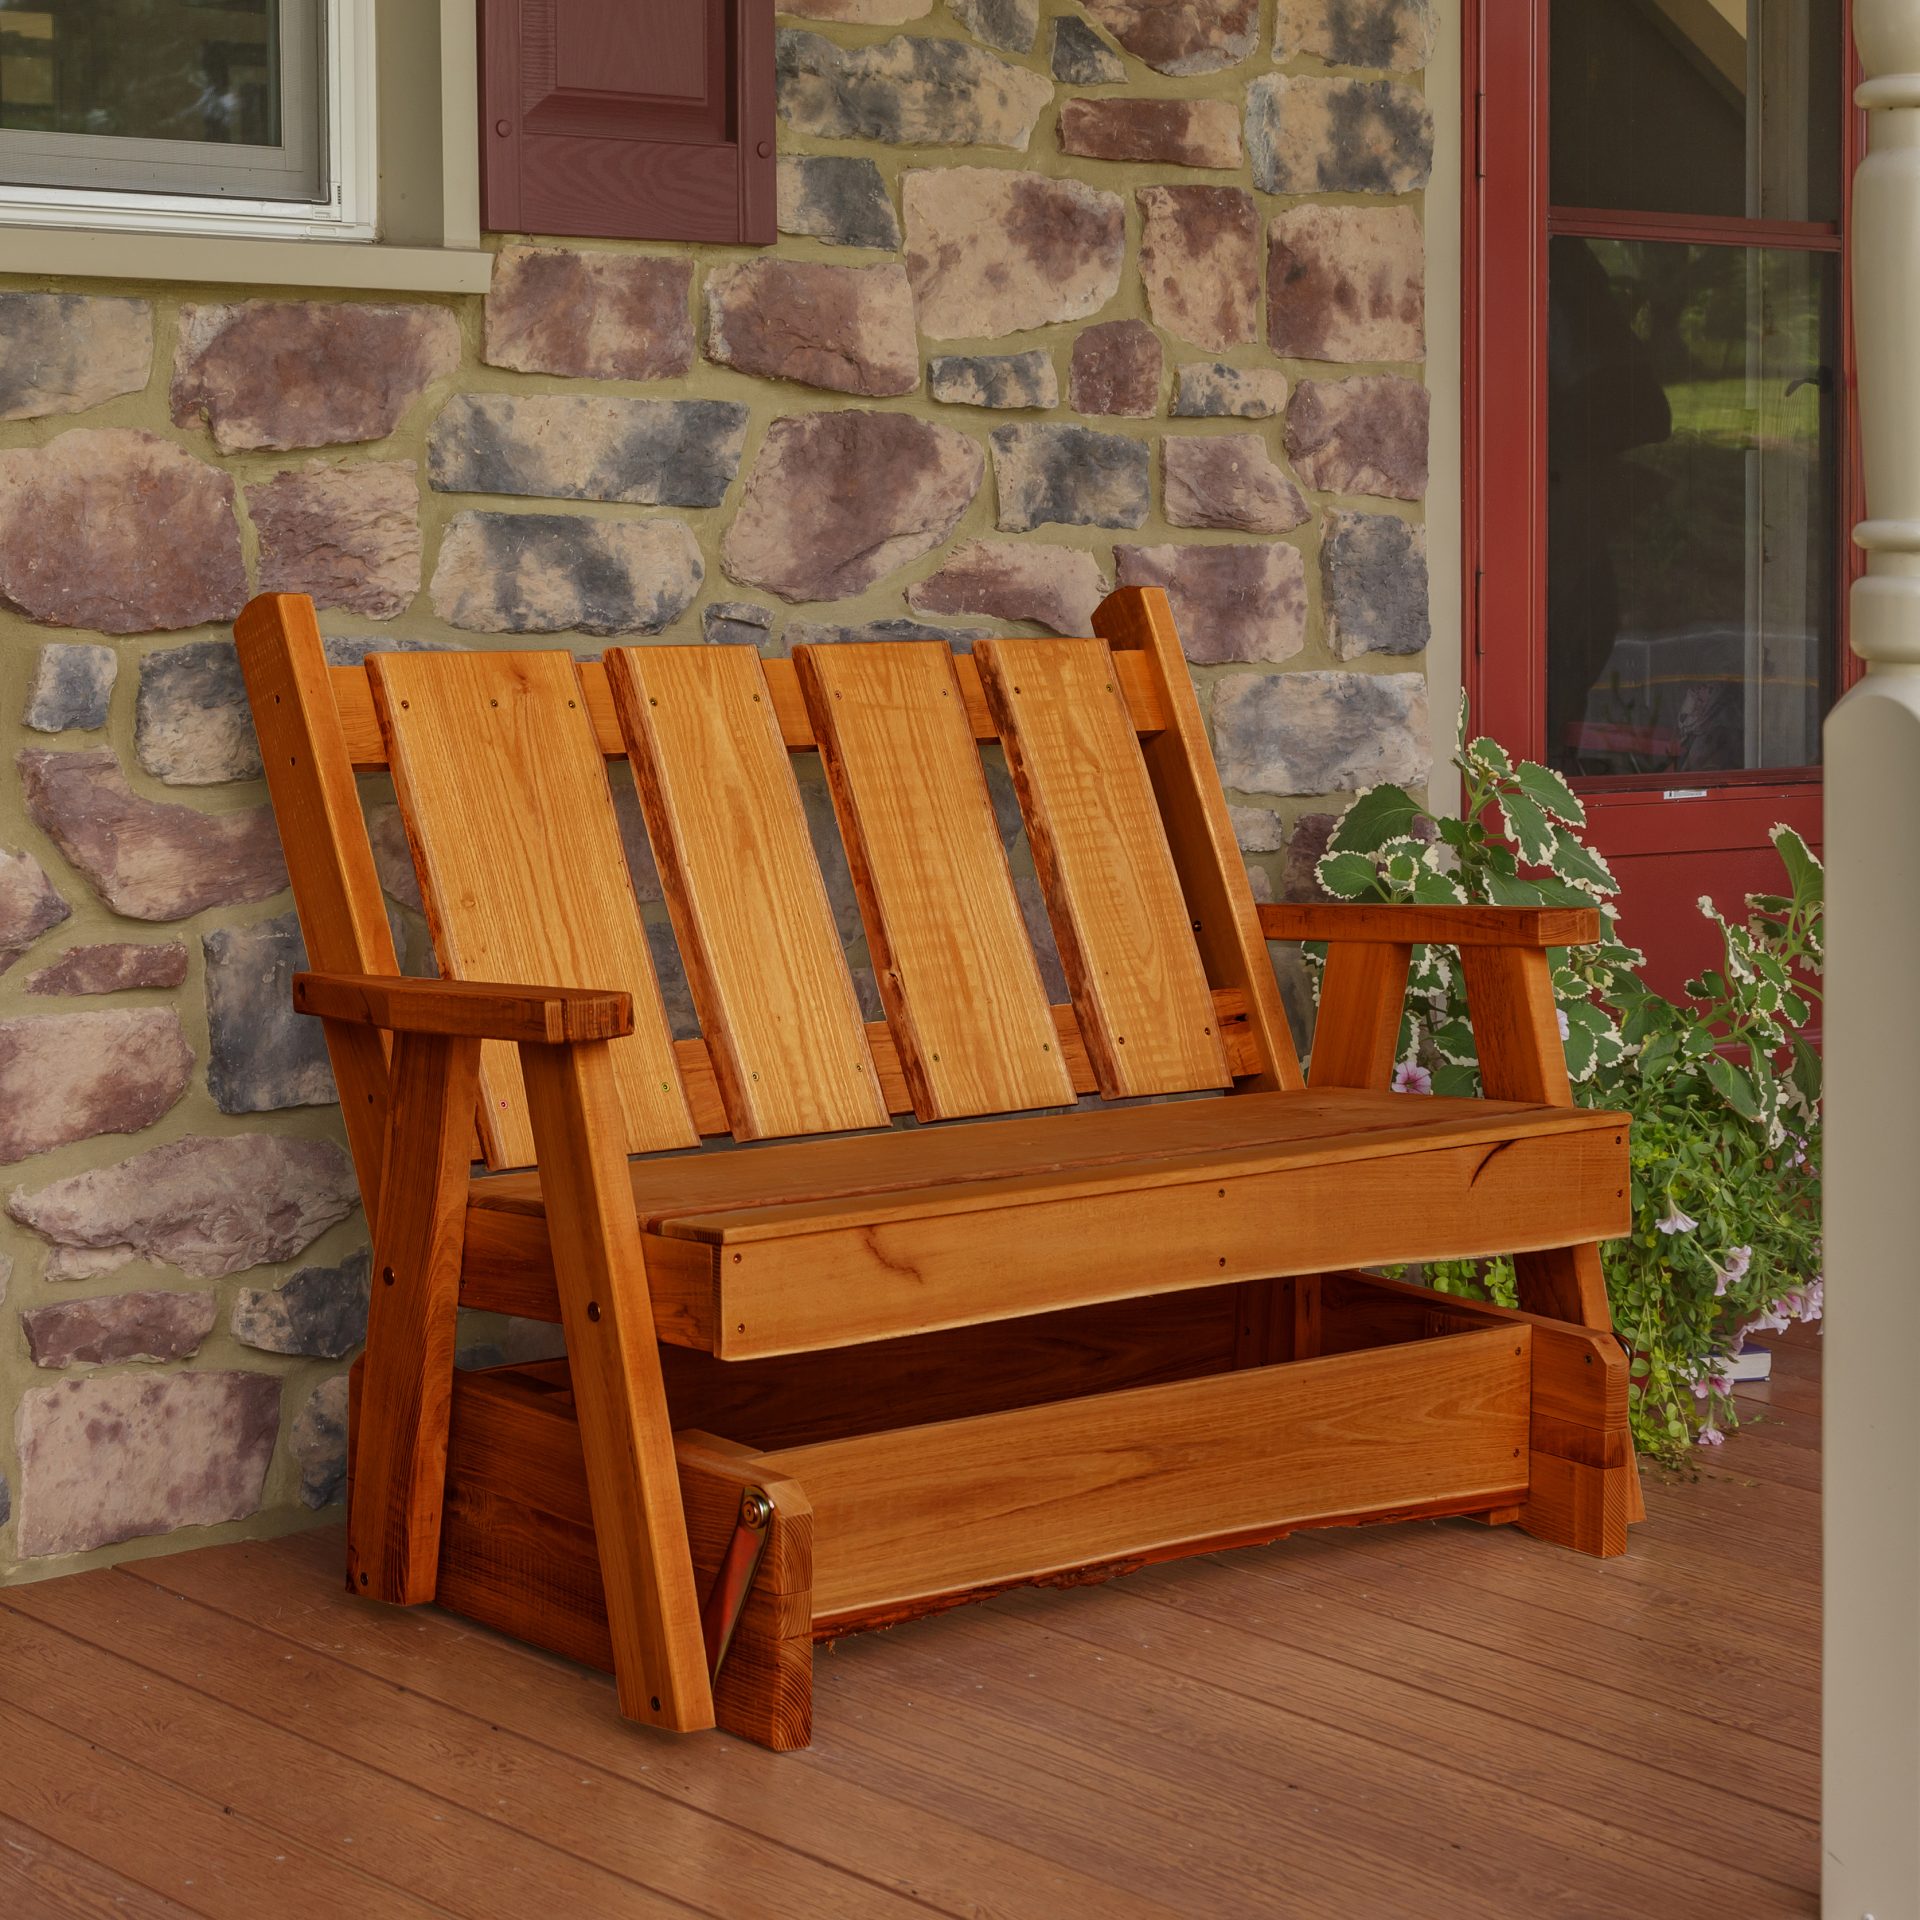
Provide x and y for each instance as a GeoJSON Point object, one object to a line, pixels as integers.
{"type": "Point", "coordinates": [1341, 920]}
{"type": "Point", "coordinates": [466, 1009]}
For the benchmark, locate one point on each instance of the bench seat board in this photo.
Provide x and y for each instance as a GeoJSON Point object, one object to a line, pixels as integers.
{"type": "Point", "coordinates": [750, 911]}
{"type": "Point", "coordinates": [950, 951]}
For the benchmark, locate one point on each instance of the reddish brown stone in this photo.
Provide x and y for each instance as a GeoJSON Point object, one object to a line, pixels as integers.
{"type": "Point", "coordinates": [120, 531]}
{"type": "Point", "coordinates": [1200, 262]}
{"type": "Point", "coordinates": [1367, 435]}
{"type": "Point", "coordinates": [1306, 848]}
{"type": "Point", "coordinates": [1346, 283]}
{"type": "Point", "coordinates": [1052, 586]}
{"type": "Point", "coordinates": [1229, 481]}
{"type": "Point", "coordinates": [1116, 368]}
{"type": "Point", "coordinates": [1182, 36]}
{"type": "Point", "coordinates": [66, 352]}
{"type": "Point", "coordinates": [118, 1326]}
{"type": "Point", "coordinates": [835, 500]}
{"type": "Point", "coordinates": [145, 859]}
{"type": "Point", "coordinates": [29, 904]}
{"type": "Point", "coordinates": [848, 329]}
{"type": "Point", "coordinates": [1175, 133]}
{"type": "Point", "coordinates": [596, 316]}
{"type": "Point", "coordinates": [349, 536]}
{"type": "Point", "coordinates": [307, 373]}
{"type": "Point", "coordinates": [1242, 602]}
{"type": "Point", "coordinates": [69, 1076]}
{"type": "Point", "coordinates": [112, 1456]}
{"type": "Point", "coordinates": [113, 968]}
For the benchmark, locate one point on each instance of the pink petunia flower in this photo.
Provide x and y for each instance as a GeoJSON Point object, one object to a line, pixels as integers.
{"type": "Point", "coordinates": [1710, 1437]}
{"type": "Point", "coordinates": [1410, 1077]}
{"type": "Point", "coordinates": [1560, 1014]}
{"type": "Point", "coordinates": [1676, 1221]}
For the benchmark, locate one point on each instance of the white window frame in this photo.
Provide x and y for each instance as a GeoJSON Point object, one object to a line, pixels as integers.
{"type": "Point", "coordinates": [349, 165]}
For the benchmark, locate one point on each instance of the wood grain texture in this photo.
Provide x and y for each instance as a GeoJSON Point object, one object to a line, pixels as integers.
{"type": "Point", "coordinates": [1397, 922]}
{"type": "Point", "coordinates": [511, 820]}
{"type": "Point", "coordinates": [638, 1522]}
{"type": "Point", "coordinates": [304, 749]}
{"type": "Point", "coordinates": [366, 745]}
{"type": "Point", "coordinates": [1119, 918]}
{"type": "Point", "coordinates": [750, 909]}
{"type": "Point", "coordinates": [1356, 1032]}
{"type": "Point", "coordinates": [400, 1443]}
{"type": "Point", "coordinates": [1137, 623]}
{"type": "Point", "coordinates": [476, 1008]}
{"type": "Point", "coordinates": [908, 1516]}
{"type": "Point", "coordinates": [956, 970]}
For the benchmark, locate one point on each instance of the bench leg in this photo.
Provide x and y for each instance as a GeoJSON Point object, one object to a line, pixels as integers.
{"type": "Point", "coordinates": [400, 1438]}
{"type": "Point", "coordinates": [614, 1356]}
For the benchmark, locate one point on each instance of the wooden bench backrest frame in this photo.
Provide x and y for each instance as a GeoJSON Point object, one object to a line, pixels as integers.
{"type": "Point", "coordinates": [319, 729]}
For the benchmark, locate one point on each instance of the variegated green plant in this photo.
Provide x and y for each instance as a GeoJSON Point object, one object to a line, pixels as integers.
{"type": "Point", "coordinates": [1722, 1085]}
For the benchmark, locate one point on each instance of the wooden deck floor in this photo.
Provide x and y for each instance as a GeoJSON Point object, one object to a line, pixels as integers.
{"type": "Point", "coordinates": [1432, 1720]}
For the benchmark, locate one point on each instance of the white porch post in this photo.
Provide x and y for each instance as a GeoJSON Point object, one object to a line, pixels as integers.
{"type": "Point", "coordinates": [1871, 1815]}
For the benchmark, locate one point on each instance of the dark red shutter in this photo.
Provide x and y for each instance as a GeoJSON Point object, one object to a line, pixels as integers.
{"type": "Point", "coordinates": [639, 119]}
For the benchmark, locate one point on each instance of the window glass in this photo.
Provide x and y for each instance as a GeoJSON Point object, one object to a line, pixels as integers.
{"type": "Point", "coordinates": [1721, 107]}
{"type": "Point", "coordinates": [1692, 505]}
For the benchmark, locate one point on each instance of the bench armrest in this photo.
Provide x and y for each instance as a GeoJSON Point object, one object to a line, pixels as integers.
{"type": "Point", "coordinates": [472, 1009]}
{"type": "Point", "coordinates": [1394, 924]}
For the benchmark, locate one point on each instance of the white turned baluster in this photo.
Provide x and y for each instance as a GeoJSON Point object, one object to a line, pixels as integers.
{"type": "Point", "coordinates": [1871, 1814]}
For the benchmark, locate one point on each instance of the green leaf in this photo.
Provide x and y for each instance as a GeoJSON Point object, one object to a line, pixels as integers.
{"type": "Point", "coordinates": [1733, 1086]}
{"type": "Point", "coordinates": [1349, 876]}
{"type": "Point", "coordinates": [1805, 1072]}
{"type": "Point", "coordinates": [1432, 889]}
{"type": "Point", "coordinates": [1528, 827]}
{"type": "Point", "coordinates": [1550, 793]}
{"type": "Point", "coordinates": [1456, 1082]}
{"type": "Point", "coordinates": [1804, 873]}
{"type": "Point", "coordinates": [1581, 864]}
{"type": "Point", "coordinates": [1380, 815]}
{"type": "Point", "coordinates": [1491, 755]}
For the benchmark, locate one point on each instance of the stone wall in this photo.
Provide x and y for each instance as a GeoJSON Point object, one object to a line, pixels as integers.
{"type": "Point", "coordinates": [1133, 293]}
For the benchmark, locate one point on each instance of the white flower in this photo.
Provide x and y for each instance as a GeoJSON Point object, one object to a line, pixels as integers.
{"type": "Point", "coordinates": [1676, 1221]}
{"type": "Point", "coordinates": [1560, 1014]}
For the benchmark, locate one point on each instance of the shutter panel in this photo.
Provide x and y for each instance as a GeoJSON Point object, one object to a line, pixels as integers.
{"type": "Point", "coordinates": [636, 119]}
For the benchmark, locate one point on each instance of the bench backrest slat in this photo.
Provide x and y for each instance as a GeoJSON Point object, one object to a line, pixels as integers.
{"type": "Point", "coordinates": [956, 970]}
{"type": "Point", "coordinates": [506, 803]}
{"type": "Point", "coordinates": [1124, 931]}
{"type": "Point", "coordinates": [749, 906]}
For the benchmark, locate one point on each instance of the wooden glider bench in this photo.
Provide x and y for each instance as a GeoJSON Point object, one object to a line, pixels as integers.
{"type": "Point", "coordinates": [1019, 1341]}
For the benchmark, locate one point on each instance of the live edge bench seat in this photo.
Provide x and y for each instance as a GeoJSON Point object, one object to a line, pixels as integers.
{"type": "Point", "coordinates": [929, 1323]}
{"type": "Point", "coordinates": [824, 1243]}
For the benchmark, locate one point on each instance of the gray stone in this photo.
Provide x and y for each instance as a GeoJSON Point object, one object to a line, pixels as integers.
{"type": "Point", "coordinates": [847, 329]}
{"type": "Point", "coordinates": [307, 373]}
{"type": "Point", "coordinates": [1039, 923]}
{"type": "Point", "coordinates": [1081, 58]}
{"type": "Point", "coordinates": [108, 1457]}
{"type": "Point", "coordinates": [393, 858]}
{"type": "Point", "coordinates": [1308, 134]}
{"type": "Point", "coordinates": [836, 500]}
{"type": "Point", "coordinates": [146, 859]}
{"type": "Point", "coordinates": [29, 904]}
{"type": "Point", "coordinates": [811, 633]}
{"type": "Point", "coordinates": [1052, 586]}
{"type": "Point", "coordinates": [118, 1326]}
{"type": "Point", "coordinates": [262, 1055]}
{"type": "Point", "coordinates": [114, 967]}
{"type": "Point", "coordinates": [676, 995]}
{"type": "Point", "coordinates": [191, 723]}
{"type": "Point", "coordinates": [1356, 33]}
{"type": "Point", "coordinates": [6, 1500]}
{"type": "Point", "coordinates": [837, 197]}
{"type": "Point", "coordinates": [72, 688]}
{"type": "Point", "coordinates": [556, 572]}
{"type": "Point", "coordinates": [1306, 848]}
{"type": "Point", "coordinates": [998, 250]}
{"type": "Point", "coordinates": [1206, 390]}
{"type": "Point", "coordinates": [319, 1442]}
{"type": "Point", "coordinates": [906, 92]}
{"type": "Point", "coordinates": [1365, 435]}
{"type": "Point", "coordinates": [1170, 133]}
{"type": "Point", "coordinates": [1200, 262]}
{"type": "Point", "coordinates": [1373, 581]}
{"type": "Point", "coordinates": [573, 446]}
{"type": "Point", "coordinates": [1012, 25]}
{"type": "Point", "coordinates": [1257, 829]}
{"type": "Point", "coordinates": [1007, 380]}
{"type": "Point", "coordinates": [1182, 36]}
{"type": "Point", "coordinates": [1116, 367]}
{"type": "Point", "coordinates": [1070, 476]}
{"type": "Point", "coordinates": [317, 1311]}
{"type": "Point", "coordinates": [349, 536]}
{"type": "Point", "coordinates": [1240, 602]}
{"type": "Point", "coordinates": [120, 531]}
{"type": "Point", "coordinates": [72, 1076]}
{"type": "Point", "coordinates": [591, 315]}
{"type": "Point", "coordinates": [1346, 283]}
{"type": "Point", "coordinates": [1229, 481]}
{"type": "Point", "coordinates": [66, 352]}
{"type": "Point", "coordinates": [1312, 733]}
{"type": "Point", "coordinates": [207, 1206]}
{"type": "Point", "coordinates": [736, 623]}
{"type": "Point", "coordinates": [352, 649]}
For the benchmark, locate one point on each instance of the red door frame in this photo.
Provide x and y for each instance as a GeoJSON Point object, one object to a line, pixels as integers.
{"type": "Point", "coordinates": [1677, 841]}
